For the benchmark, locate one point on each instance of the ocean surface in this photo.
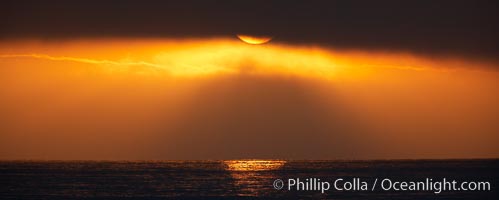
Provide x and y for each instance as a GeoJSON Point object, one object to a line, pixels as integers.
{"type": "Point", "coordinates": [237, 179]}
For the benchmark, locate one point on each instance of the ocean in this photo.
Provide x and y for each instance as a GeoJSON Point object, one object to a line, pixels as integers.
{"type": "Point", "coordinates": [264, 179]}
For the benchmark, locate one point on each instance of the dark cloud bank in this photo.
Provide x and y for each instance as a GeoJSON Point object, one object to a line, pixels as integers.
{"type": "Point", "coordinates": [453, 28]}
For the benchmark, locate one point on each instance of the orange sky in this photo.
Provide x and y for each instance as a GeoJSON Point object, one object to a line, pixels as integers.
{"type": "Point", "coordinates": [223, 99]}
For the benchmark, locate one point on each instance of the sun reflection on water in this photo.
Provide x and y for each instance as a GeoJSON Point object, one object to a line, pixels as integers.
{"type": "Point", "coordinates": [253, 177]}
{"type": "Point", "coordinates": [253, 165]}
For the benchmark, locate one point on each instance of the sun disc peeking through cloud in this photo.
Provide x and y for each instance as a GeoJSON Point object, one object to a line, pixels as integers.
{"type": "Point", "coordinates": [254, 39]}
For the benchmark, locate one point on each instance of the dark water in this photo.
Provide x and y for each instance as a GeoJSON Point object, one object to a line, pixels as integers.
{"type": "Point", "coordinates": [226, 180]}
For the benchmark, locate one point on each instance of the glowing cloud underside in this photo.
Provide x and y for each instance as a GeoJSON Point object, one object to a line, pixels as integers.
{"type": "Point", "coordinates": [222, 56]}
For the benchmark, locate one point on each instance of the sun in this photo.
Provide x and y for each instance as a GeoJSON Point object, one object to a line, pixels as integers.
{"type": "Point", "coordinates": [254, 39]}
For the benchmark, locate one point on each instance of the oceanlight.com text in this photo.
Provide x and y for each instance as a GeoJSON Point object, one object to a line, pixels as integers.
{"type": "Point", "coordinates": [436, 186]}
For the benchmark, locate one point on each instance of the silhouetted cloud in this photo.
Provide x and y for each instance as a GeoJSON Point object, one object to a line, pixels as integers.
{"type": "Point", "coordinates": [457, 28]}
